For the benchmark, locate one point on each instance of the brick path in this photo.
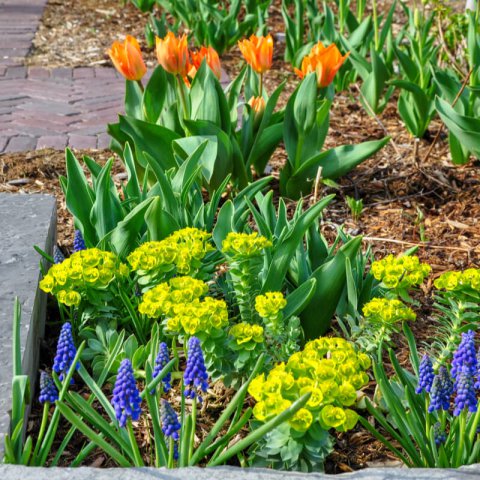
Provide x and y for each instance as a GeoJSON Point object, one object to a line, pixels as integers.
{"type": "Point", "coordinates": [41, 107]}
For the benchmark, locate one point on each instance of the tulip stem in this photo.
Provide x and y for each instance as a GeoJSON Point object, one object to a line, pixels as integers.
{"type": "Point", "coordinates": [261, 86]}
{"type": "Point", "coordinates": [182, 97]}
{"type": "Point", "coordinates": [140, 84]}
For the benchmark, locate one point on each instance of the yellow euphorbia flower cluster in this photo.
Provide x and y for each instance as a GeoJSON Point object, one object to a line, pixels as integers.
{"type": "Point", "coordinates": [245, 245]}
{"type": "Point", "coordinates": [270, 304]}
{"type": "Point", "coordinates": [400, 272]}
{"type": "Point", "coordinates": [330, 369]}
{"type": "Point", "coordinates": [91, 268]}
{"type": "Point", "coordinates": [184, 249]}
{"type": "Point", "coordinates": [245, 332]}
{"type": "Point", "coordinates": [179, 301]}
{"type": "Point", "coordinates": [455, 280]}
{"type": "Point", "coordinates": [387, 311]}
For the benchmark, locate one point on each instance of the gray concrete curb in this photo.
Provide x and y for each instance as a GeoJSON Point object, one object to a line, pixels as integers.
{"type": "Point", "coordinates": [10, 472]}
{"type": "Point", "coordinates": [25, 221]}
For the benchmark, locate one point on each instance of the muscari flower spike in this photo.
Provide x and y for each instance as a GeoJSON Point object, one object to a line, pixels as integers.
{"type": "Point", "coordinates": [58, 256]}
{"type": "Point", "coordinates": [465, 392]}
{"type": "Point", "coordinates": [48, 391]}
{"type": "Point", "coordinates": [170, 424]}
{"type": "Point", "coordinates": [425, 375]}
{"type": "Point", "coordinates": [126, 398]}
{"type": "Point", "coordinates": [163, 357]}
{"type": "Point", "coordinates": [465, 355]}
{"type": "Point", "coordinates": [441, 391]}
{"type": "Point", "coordinates": [439, 434]}
{"type": "Point", "coordinates": [66, 352]}
{"type": "Point", "coordinates": [195, 376]}
{"type": "Point", "coordinates": [477, 376]}
{"type": "Point", "coordinates": [78, 241]}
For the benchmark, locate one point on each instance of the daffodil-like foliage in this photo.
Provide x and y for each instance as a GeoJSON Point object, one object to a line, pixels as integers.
{"type": "Point", "coordinates": [400, 273]}
{"type": "Point", "coordinates": [387, 312]}
{"type": "Point", "coordinates": [330, 369]}
{"type": "Point", "coordinates": [244, 245]}
{"type": "Point", "coordinates": [246, 333]}
{"type": "Point", "coordinates": [84, 270]}
{"type": "Point", "coordinates": [458, 281]}
{"type": "Point", "coordinates": [182, 251]}
{"type": "Point", "coordinates": [179, 302]}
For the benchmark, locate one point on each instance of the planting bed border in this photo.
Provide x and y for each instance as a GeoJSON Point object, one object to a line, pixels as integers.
{"type": "Point", "coordinates": [28, 220]}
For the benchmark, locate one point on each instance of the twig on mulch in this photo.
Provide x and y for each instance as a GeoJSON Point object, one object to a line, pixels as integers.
{"type": "Point", "coordinates": [412, 244]}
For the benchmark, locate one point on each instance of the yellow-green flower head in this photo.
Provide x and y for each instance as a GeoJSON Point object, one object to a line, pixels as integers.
{"type": "Point", "coordinates": [86, 269]}
{"type": "Point", "coordinates": [245, 332]}
{"type": "Point", "coordinates": [179, 302]}
{"type": "Point", "coordinates": [330, 369]}
{"type": "Point", "coordinates": [400, 272]}
{"type": "Point", "coordinates": [455, 280]}
{"type": "Point", "coordinates": [244, 245]}
{"type": "Point", "coordinates": [302, 420]}
{"type": "Point", "coordinates": [183, 250]}
{"type": "Point", "coordinates": [270, 304]}
{"type": "Point", "coordinates": [387, 311]}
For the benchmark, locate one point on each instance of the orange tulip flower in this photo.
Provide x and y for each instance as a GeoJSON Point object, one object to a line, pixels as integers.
{"type": "Point", "coordinates": [127, 58]}
{"type": "Point", "coordinates": [212, 59]}
{"type": "Point", "coordinates": [172, 54]}
{"type": "Point", "coordinates": [258, 52]}
{"type": "Point", "coordinates": [325, 61]}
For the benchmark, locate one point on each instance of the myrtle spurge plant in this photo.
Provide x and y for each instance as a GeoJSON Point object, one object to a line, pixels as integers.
{"type": "Point", "coordinates": [400, 274]}
{"type": "Point", "coordinates": [244, 255]}
{"type": "Point", "coordinates": [180, 253]}
{"type": "Point", "coordinates": [126, 398]}
{"type": "Point", "coordinates": [66, 352]}
{"type": "Point", "coordinates": [83, 272]}
{"type": "Point", "coordinates": [269, 307]}
{"type": "Point", "coordinates": [178, 302]}
{"type": "Point", "coordinates": [381, 318]}
{"type": "Point", "coordinates": [333, 372]}
{"type": "Point", "coordinates": [466, 282]}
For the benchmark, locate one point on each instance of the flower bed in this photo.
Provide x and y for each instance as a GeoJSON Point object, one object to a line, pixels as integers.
{"type": "Point", "coordinates": [194, 277]}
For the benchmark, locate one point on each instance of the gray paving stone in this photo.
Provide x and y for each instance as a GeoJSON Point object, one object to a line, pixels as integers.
{"type": "Point", "coordinates": [21, 143]}
{"type": "Point", "coordinates": [58, 142]}
{"type": "Point", "coordinates": [26, 220]}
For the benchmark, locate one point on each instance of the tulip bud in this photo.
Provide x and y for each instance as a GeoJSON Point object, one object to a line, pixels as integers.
{"type": "Point", "coordinates": [258, 107]}
{"type": "Point", "coordinates": [127, 58]}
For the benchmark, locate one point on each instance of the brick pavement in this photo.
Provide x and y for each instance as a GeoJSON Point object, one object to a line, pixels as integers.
{"type": "Point", "coordinates": [42, 107]}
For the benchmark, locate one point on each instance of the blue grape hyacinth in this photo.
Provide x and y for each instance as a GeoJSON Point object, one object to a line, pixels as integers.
{"type": "Point", "coordinates": [439, 434]}
{"type": "Point", "coordinates": [66, 352]}
{"type": "Point", "coordinates": [126, 398]}
{"type": "Point", "coordinates": [58, 256]}
{"type": "Point", "coordinates": [195, 376]}
{"type": "Point", "coordinates": [425, 375]}
{"type": "Point", "coordinates": [163, 357]}
{"type": "Point", "coordinates": [170, 424]}
{"type": "Point", "coordinates": [465, 355]}
{"type": "Point", "coordinates": [465, 392]}
{"type": "Point", "coordinates": [78, 241]}
{"type": "Point", "coordinates": [441, 391]}
{"type": "Point", "coordinates": [48, 390]}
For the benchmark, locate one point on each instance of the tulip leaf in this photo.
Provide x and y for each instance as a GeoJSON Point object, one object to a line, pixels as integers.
{"type": "Point", "coordinates": [299, 298]}
{"type": "Point", "coordinates": [335, 163]}
{"type": "Point", "coordinates": [154, 95]}
{"type": "Point", "coordinates": [285, 248]}
{"type": "Point", "coordinates": [330, 282]}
